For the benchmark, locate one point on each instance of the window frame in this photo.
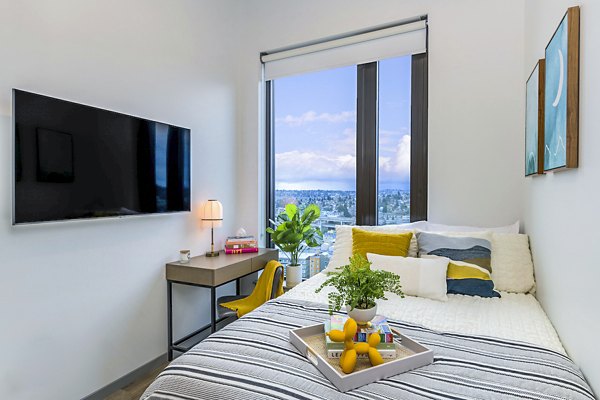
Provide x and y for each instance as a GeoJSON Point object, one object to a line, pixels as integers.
{"type": "Point", "coordinates": [419, 171]}
{"type": "Point", "coordinates": [367, 143]}
{"type": "Point", "coordinates": [270, 158]}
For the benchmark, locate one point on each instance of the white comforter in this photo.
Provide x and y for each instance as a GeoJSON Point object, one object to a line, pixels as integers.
{"type": "Point", "coordinates": [514, 316]}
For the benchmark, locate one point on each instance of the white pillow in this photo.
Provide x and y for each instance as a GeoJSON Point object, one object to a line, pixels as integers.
{"type": "Point", "coordinates": [431, 227]}
{"type": "Point", "coordinates": [342, 249]}
{"type": "Point", "coordinates": [512, 266]}
{"type": "Point", "coordinates": [408, 225]}
{"type": "Point", "coordinates": [487, 235]}
{"type": "Point", "coordinates": [421, 277]}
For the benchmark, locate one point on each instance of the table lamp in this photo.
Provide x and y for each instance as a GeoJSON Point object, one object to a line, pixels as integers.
{"type": "Point", "coordinates": [212, 214]}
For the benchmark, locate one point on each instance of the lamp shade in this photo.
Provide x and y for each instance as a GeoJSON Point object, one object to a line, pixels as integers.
{"type": "Point", "coordinates": [212, 211]}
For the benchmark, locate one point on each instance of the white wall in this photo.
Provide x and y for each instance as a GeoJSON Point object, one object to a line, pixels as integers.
{"type": "Point", "coordinates": [561, 209]}
{"type": "Point", "coordinates": [89, 297]}
{"type": "Point", "coordinates": [84, 303]}
{"type": "Point", "coordinates": [475, 107]}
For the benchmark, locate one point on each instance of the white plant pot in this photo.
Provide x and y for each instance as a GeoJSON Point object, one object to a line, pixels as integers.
{"type": "Point", "coordinates": [362, 316]}
{"type": "Point", "coordinates": [293, 275]}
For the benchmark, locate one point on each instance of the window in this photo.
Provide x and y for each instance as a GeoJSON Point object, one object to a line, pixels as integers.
{"type": "Point", "coordinates": [393, 197]}
{"type": "Point", "coordinates": [314, 140]}
{"type": "Point", "coordinates": [351, 140]}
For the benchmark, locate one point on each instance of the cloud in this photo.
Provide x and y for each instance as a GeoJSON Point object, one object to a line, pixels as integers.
{"type": "Point", "coordinates": [388, 140]}
{"type": "Point", "coordinates": [297, 166]}
{"type": "Point", "coordinates": [317, 166]}
{"type": "Point", "coordinates": [344, 143]}
{"type": "Point", "coordinates": [313, 116]}
{"type": "Point", "coordinates": [397, 166]}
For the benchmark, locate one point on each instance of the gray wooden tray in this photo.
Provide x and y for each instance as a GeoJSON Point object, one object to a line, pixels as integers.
{"type": "Point", "coordinates": [411, 355]}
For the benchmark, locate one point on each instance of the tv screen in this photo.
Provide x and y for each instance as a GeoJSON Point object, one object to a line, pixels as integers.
{"type": "Point", "coordinates": [74, 161]}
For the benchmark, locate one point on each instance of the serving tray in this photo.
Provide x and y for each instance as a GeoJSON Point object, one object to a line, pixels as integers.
{"type": "Point", "coordinates": [309, 341]}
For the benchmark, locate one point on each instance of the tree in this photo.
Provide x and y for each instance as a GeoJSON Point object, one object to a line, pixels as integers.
{"type": "Point", "coordinates": [343, 209]}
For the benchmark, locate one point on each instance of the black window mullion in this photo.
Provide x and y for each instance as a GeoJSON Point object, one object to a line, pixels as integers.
{"type": "Point", "coordinates": [270, 156]}
{"type": "Point", "coordinates": [367, 148]}
{"type": "Point", "coordinates": [418, 142]}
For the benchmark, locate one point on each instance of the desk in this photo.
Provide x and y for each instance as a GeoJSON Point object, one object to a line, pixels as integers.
{"type": "Point", "coordinates": [210, 272]}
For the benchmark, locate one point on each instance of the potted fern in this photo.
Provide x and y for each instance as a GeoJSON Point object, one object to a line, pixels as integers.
{"type": "Point", "coordinates": [358, 287]}
{"type": "Point", "coordinates": [293, 234]}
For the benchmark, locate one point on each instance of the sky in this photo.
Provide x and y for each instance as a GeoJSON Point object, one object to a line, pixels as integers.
{"type": "Point", "coordinates": [315, 128]}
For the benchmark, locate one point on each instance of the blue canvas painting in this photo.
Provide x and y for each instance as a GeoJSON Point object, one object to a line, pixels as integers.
{"type": "Point", "coordinates": [555, 139]}
{"type": "Point", "coordinates": [531, 123]}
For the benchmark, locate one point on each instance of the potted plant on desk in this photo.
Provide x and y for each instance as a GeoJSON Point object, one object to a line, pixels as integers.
{"type": "Point", "coordinates": [358, 287]}
{"type": "Point", "coordinates": [293, 234]}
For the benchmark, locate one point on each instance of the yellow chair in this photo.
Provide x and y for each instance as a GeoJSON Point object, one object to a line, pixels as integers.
{"type": "Point", "coordinates": [268, 287]}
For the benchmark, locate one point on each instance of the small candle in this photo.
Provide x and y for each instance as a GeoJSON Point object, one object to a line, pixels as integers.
{"type": "Point", "coordinates": [184, 256]}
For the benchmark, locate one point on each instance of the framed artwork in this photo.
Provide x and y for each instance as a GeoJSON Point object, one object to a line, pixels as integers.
{"type": "Point", "coordinates": [54, 156]}
{"type": "Point", "coordinates": [561, 115]}
{"type": "Point", "coordinates": [534, 121]}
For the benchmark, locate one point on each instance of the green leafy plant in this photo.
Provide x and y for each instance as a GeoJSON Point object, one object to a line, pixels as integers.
{"type": "Point", "coordinates": [294, 233]}
{"type": "Point", "coordinates": [359, 286]}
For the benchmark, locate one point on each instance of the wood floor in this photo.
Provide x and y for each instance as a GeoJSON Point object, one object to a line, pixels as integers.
{"type": "Point", "coordinates": [134, 390]}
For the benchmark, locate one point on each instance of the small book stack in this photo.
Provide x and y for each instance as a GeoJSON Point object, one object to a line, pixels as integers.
{"type": "Point", "coordinates": [241, 244]}
{"type": "Point", "coordinates": [387, 347]}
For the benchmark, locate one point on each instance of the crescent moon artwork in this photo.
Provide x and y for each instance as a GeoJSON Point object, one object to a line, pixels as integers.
{"type": "Point", "coordinates": [555, 118]}
{"type": "Point", "coordinates": [559, 148]}
{"type": "Point", "coordinates": [561, 78]}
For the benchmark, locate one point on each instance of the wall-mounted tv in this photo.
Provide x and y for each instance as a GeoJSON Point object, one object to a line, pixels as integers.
{"type": "Point", "coordinates": [73, 161]}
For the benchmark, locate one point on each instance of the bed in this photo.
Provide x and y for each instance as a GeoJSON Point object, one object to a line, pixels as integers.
{"type": "Point", "coordinates": [484, 349]}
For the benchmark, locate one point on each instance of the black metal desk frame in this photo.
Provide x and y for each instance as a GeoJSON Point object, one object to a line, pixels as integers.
{"type": "Point", "coordinates": [176, 345]}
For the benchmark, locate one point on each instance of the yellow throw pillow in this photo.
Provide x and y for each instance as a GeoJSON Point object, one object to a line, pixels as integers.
{"type": "Point", "coordinates": [387, 244]}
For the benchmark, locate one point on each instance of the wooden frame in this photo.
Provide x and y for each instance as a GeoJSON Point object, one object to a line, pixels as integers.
{"type": "Point", "coordinates": [562, 110]}
{"type": "Point", "coordinates": [534, 120]}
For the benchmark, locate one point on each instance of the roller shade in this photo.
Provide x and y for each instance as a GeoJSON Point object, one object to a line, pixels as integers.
{"type": "Point", "coordinates": [362, 48]}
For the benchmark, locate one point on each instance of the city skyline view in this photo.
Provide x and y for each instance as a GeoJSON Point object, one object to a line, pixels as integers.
{"type": "Point", "coordinates": [338, 207]}
{"type": "Point", "coordinates": [315, 128]}
{"type": "Point", "coordinates": [315, 146]}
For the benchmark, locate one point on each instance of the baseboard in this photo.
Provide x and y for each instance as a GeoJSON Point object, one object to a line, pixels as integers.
{"type": "Point", "coordinates": [127, 379]}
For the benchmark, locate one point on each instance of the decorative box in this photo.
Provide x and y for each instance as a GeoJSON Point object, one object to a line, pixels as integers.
{"type": "Point", "coordinates": [310, 341]}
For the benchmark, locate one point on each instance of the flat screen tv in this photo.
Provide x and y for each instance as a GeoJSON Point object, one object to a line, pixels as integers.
{"type": "Point", "coordinates": [73, 161]}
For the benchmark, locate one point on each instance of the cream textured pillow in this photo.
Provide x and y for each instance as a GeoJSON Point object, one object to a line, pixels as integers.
{"type": "Point", "coordinates": [512, 266]}
{"type": "Point", "coordinates": [436, 228]}
{"type": "Point", "coordinates": [342, 249]}
{"type": "Point", "coordinates": [421, 277]}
